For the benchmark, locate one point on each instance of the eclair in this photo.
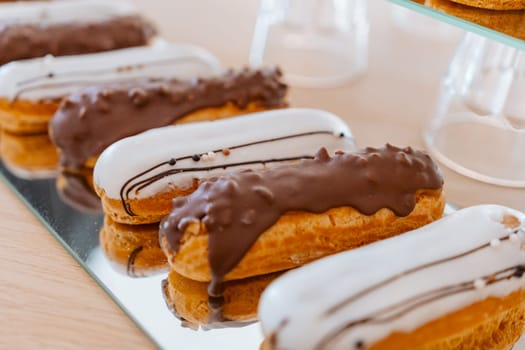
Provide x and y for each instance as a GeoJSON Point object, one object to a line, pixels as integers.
{"type": "Point", "coordinates": [188, 300]}
{"type": "Point", "coordinates": [507, 22]}
{"type": "Point", "coordinates": [138, 177]}
{"type": "Point", "coordinates": [91, 119]}
{"type": "Point", "coordinates": [38, 28]}
{"type": "Point", "coordinates": [249, 223]}
{"type": "Point", "coordinates": [31, 90]}
{"type": "Point", "coordinates": [494, 4]}
{"type": "Point", "coordinates": [456, 283]}
{"type": "Point", "coordinates": [133, 249]}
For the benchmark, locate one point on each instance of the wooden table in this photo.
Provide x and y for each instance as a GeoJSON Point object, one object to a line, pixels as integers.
{"type": "Point", "coordinates": [48, 301]}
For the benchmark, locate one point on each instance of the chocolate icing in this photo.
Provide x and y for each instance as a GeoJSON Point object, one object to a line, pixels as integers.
{"type": "Point", "coordinates": [239, 207]}
{"type": "Point", "coordinates": [90, 120]}
{"type": "Point", "coordinates": [20, 41]}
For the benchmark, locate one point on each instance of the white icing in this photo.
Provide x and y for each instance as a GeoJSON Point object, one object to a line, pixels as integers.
{"type": "Point", "coordinates": [52, 77]}
{"type": "Point", "coordinates": [302, 296]}
{"type": "Point", "coordinates": [54, 12]}
{"type": "Point", "coordinates": [132, 156]}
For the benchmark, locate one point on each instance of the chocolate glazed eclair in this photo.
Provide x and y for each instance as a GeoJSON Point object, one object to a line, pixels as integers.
{"type": "Point", "coordinates": [251, 223]}
{"type": "Point", "coordinates": [28, 40]}
{"type": "Point", "coordinates": [92, 119]}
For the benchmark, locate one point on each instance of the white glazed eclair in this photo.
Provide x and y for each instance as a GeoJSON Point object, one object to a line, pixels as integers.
{"type": "Point", "coordinates": [138, 177]}
{"type": "Point", "coordinates": [453, 284]}
{"type": "Point", "coordinates": [31, 90]}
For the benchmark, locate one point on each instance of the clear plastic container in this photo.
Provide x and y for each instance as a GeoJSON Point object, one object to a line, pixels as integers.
{"type": "Point", "coordinates": [478, 128]}
{"type": "Point", "coordinates": [318, 43]}
{"type": "Point", "coordinates": [420, 25]}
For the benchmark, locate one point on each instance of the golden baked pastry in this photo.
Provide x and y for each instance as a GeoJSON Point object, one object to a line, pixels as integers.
{"type": "Point", "coordinates": [26, 117]}
{"type": "Point", "coordinates": [493, 323]}
{"type": "Point", "coordinates": [507, 22]}
{"type": "Point", "coordinates": [29, 156]}
{"type": "Point", "coordinates": [189, 301]}
{"type": "Point", "coordinates": [133, 249]}
{"type": "Point", "coordinates": [298, 238]}
{"type": "Point", "coordinates": [494, 4]}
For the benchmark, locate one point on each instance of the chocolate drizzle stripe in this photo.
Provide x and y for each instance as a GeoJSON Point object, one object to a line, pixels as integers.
{"type": "Point", "coordinates": [147, 182]}
{"type": "Point", "coordinates": [125, 190]}
{"type": "Point", "coordinates": [85, 83]}
{"type": "Point", "coordinates": [123, 68]}
{"type": "Point", "coordinates": [419, 300]}
{"type": "Point", "coordinates": [130, 268]}
{"type": "Point", "coordinates": [404, 307]}
{"type": "Point", "coordinates": [353, 298]}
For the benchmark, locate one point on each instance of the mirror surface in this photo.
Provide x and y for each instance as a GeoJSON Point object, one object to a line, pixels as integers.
{"type": "Point", "coordinates": [506, 26]}
{"type": "Point", "coordinates": [140, 298]}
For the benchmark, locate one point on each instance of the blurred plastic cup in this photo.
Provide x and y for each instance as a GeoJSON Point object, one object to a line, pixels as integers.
{"type": "Point", "coordinates": [317, 43]}
{"type": "Point", "coordinates": [478, 128]}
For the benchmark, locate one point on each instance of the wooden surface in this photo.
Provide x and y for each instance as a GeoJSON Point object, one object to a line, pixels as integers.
{"type": "Point", "coordinates": [48, 301]}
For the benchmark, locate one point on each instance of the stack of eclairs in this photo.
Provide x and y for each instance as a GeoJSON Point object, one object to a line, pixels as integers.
{"type": "Point", "coordinates": [207, 175]}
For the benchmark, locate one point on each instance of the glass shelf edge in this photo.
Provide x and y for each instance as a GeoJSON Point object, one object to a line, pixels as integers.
{"type": "Point", "coordinates": [462, 24]}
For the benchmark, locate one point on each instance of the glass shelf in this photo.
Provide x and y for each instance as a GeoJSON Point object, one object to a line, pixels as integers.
{"type": "Point", "coordinates": [507, 27]}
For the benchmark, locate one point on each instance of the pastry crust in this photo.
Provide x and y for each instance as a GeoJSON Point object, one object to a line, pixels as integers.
{"type": "Point", "coordinates": [188, 300]}
{"type": "Point", "coordinates": [134, 250]}
{"type": "Point", "coordinates": [26, 117]}
{"type": "Point", "coordinates": [507, 22]}
{"type": "Point", "coordinates": [494, 4]}
{"type": "Point", "coordinates": [493, 323]}
{"type": "Point", "coordinates": [300, 237]}
{"type": "Point", "coordinates": [153, 209]}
